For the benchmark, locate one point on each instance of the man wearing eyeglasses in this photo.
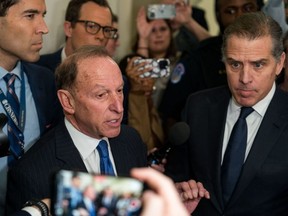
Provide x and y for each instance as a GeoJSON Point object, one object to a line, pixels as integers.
{"type": "Point", "coordinates": [87, 22]}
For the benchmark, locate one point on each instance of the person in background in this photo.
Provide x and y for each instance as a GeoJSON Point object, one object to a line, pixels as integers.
{"type": "Point", "coordinates": [256, 182]}
{"type": "Point", "coordinates": [90, 90]}
{"type": "Point", "coordinates": [154, 40]}
{"type": "Point", "coordinates": [283, 77]}
{"type": "Point", "coordinates": [27, 92]}
{"type": "Point", "coordinates": [114, 42]}
{"type": "Point", "coordinates": [189, 25]}
{"type": "Point", "coordinates": [87, 22]}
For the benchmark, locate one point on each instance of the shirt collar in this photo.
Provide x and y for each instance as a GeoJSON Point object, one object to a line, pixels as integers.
{"type": "Point", "coordinates": [16, 71]}
{"type": "Point", "coordinates": [85, 144]}
{"type": "Point", "coordinates": [259, 107]}
{"type": "Point", "coordinates": [63, 54]}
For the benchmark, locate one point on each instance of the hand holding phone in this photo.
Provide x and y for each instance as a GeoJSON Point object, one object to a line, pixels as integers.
{"type": "Point", "coordinates": [161, 11]}
{"type": "Point", "coordinates": [160, 67]}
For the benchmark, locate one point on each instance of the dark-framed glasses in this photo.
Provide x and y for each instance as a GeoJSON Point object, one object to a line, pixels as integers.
{"type": "Point", "coordinates": [93, 28]}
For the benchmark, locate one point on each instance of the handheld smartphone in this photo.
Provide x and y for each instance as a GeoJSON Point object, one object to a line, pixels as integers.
{"type": "Point", "coordinates": [160, 67]}
{"type": "Point", "coordinates": [161, 11]}
{"type": "Point", "coordinates": [79, 193]}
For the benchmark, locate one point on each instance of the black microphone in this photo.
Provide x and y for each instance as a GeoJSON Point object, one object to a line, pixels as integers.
{"type": "Point", "coordinates": [4, 142]}
{"type": "Point", "coordinates": [178, 135]}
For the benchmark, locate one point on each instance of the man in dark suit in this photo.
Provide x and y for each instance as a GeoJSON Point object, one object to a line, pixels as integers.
{"type": "Point", "coordinates": [253, 56]}
{"type": "Point", "coordinates": [34, 86]}
{"type": "Point", "coordinates": [202, 66]}
{"type": "Point", "coordinates": [90, 89]}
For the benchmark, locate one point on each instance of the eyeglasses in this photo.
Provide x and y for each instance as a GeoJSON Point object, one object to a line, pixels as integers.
{"type": "Point", "coordinates": [93, 28]}
{"type": "Point", "coordinates": [115, 37]}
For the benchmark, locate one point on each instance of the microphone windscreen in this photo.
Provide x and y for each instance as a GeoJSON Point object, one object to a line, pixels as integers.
{"type": "Point", "coordinates": [179, 133]}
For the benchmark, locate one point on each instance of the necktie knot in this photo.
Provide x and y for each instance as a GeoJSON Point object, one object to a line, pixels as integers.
{"type": "Point", "coordinates": [245, 111]}
{"type": "Point", "coordinates": [103, 149]}
{"type": "Point", "coordinates": [9, 78]}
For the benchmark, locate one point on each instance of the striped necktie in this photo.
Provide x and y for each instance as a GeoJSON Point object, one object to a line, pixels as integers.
{"type": "Point", "coordinates": [15, 135]}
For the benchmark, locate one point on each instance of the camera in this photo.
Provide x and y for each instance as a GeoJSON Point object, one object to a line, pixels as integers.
{"type": "Point", "coordinates": [160, 67]}
{"type": "Point", "coordinates": [79, 193]}
{"type": "Point", "coordinates": [161, 11]}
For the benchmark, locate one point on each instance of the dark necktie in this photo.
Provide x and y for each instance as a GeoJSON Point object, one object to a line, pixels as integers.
{"type": "Point", "coordinates": [15, 136]}
{"type": "Point", "coordinates": [234, 155]}
{"type": "Point", "coordinates": [105, 163]}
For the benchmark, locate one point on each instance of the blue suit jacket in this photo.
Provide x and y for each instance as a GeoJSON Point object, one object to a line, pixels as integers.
{"type": "Point", "coordinates": [31, 177]}
{"type": "Point", "coordinates": [262, 188]}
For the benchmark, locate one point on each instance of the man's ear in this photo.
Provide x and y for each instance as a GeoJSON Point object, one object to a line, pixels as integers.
{"type": "Point", "coordinates": [68, 28]}
{"type": "Point", "coordinates": [66, 100]}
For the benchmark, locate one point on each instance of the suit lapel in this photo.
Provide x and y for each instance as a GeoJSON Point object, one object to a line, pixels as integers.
{"type": "Point", "coordinates": [273, 123]}
{"type": "Point", "coordinates": [37, 92]}
{"type": "Point", "coordinates": [217, 114]}
{"type": "Point", "coordinates": [66, 150]}
{"type": "Point", "coordinates": [119, 156]}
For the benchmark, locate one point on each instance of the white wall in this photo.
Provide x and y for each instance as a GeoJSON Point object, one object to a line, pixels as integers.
{"type": "Point", "coordinates": [126, 10]}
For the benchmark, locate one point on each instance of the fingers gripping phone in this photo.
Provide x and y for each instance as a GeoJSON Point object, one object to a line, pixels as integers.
{"type": "Point", "coordinates": [160, 67]}
{"type": "Point", "coordinates": [161, 11]}
{"type": "Point", "coordinates": [79, 193]}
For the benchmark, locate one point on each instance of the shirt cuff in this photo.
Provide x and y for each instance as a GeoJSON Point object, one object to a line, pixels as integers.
{"type": "Point", "coordinates": [32, 211]}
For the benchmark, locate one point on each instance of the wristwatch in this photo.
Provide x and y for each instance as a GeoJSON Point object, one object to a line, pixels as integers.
{"type": "Point", "coordinates": [40, 205]}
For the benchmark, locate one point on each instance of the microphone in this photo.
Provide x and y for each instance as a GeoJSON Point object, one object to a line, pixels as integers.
{"type": "Point", "coordinates": [178, 135]}
{"type": "Point", "coordinates": [4, 142]}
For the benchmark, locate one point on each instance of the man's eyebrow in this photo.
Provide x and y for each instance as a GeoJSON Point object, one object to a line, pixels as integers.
{"type": "Point", "coordinates": [34, 11]}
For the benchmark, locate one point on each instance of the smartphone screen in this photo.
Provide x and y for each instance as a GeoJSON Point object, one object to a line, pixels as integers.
{"type": "Point", "coordinates": [160, 67]}
{"type": "Point", "coordinates": [161, 11]}
{"type": "Point", "coordinates": [78, 193]}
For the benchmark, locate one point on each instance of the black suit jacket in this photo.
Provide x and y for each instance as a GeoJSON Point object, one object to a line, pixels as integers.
{"type": "Point", "coordinates": [51, 60]}
{"type": "Point", "coordinates": [31, 177]}
{"type": "Point", "coordinates": [262, 188]}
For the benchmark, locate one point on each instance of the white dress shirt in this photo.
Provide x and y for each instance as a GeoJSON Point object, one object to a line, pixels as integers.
{"type": "Point", "coordinates": [87, 148]}
{"type": "Point", "coordinates": [253, 120]}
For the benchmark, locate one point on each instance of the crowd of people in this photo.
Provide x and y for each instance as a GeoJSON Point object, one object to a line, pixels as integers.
{"type": "Point", "coordinates": [78, 109]}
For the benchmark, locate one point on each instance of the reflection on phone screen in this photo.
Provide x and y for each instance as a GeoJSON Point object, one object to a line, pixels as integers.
{"type": "Point", "coordinates": [81, 194]}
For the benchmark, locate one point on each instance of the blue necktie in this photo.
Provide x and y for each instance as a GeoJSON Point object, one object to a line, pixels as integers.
{"type": "Point", "coordinates": [105, 163]}
{"type": "Point", "coordinates": [234, 155]}
{"type": "Point", "coordinates": [15, 136]}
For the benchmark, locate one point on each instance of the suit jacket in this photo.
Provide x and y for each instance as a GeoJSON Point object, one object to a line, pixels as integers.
{"type": "Point", "coordinates": [51, 60]}
{"type": "Point", "coordinates": [262, 188]}
{"type": "Point", "coordinates": [43, 88]}
{"type": "Point", "coordinates": [31, 177]}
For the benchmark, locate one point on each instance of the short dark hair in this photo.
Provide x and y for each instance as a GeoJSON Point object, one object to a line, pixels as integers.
{"type": "Point", "coordinates": [114, 18]}
{"type": "Point", "coordinates": [74, 7]}
{"type": "Point", "coordinates": [67, 71]}
{"type": "Point", "coordinates": [5, 5]}
{"type": "Point", "coordinates": [260, 4]}
{"type": "Point", "coordinates": [253, 26]}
